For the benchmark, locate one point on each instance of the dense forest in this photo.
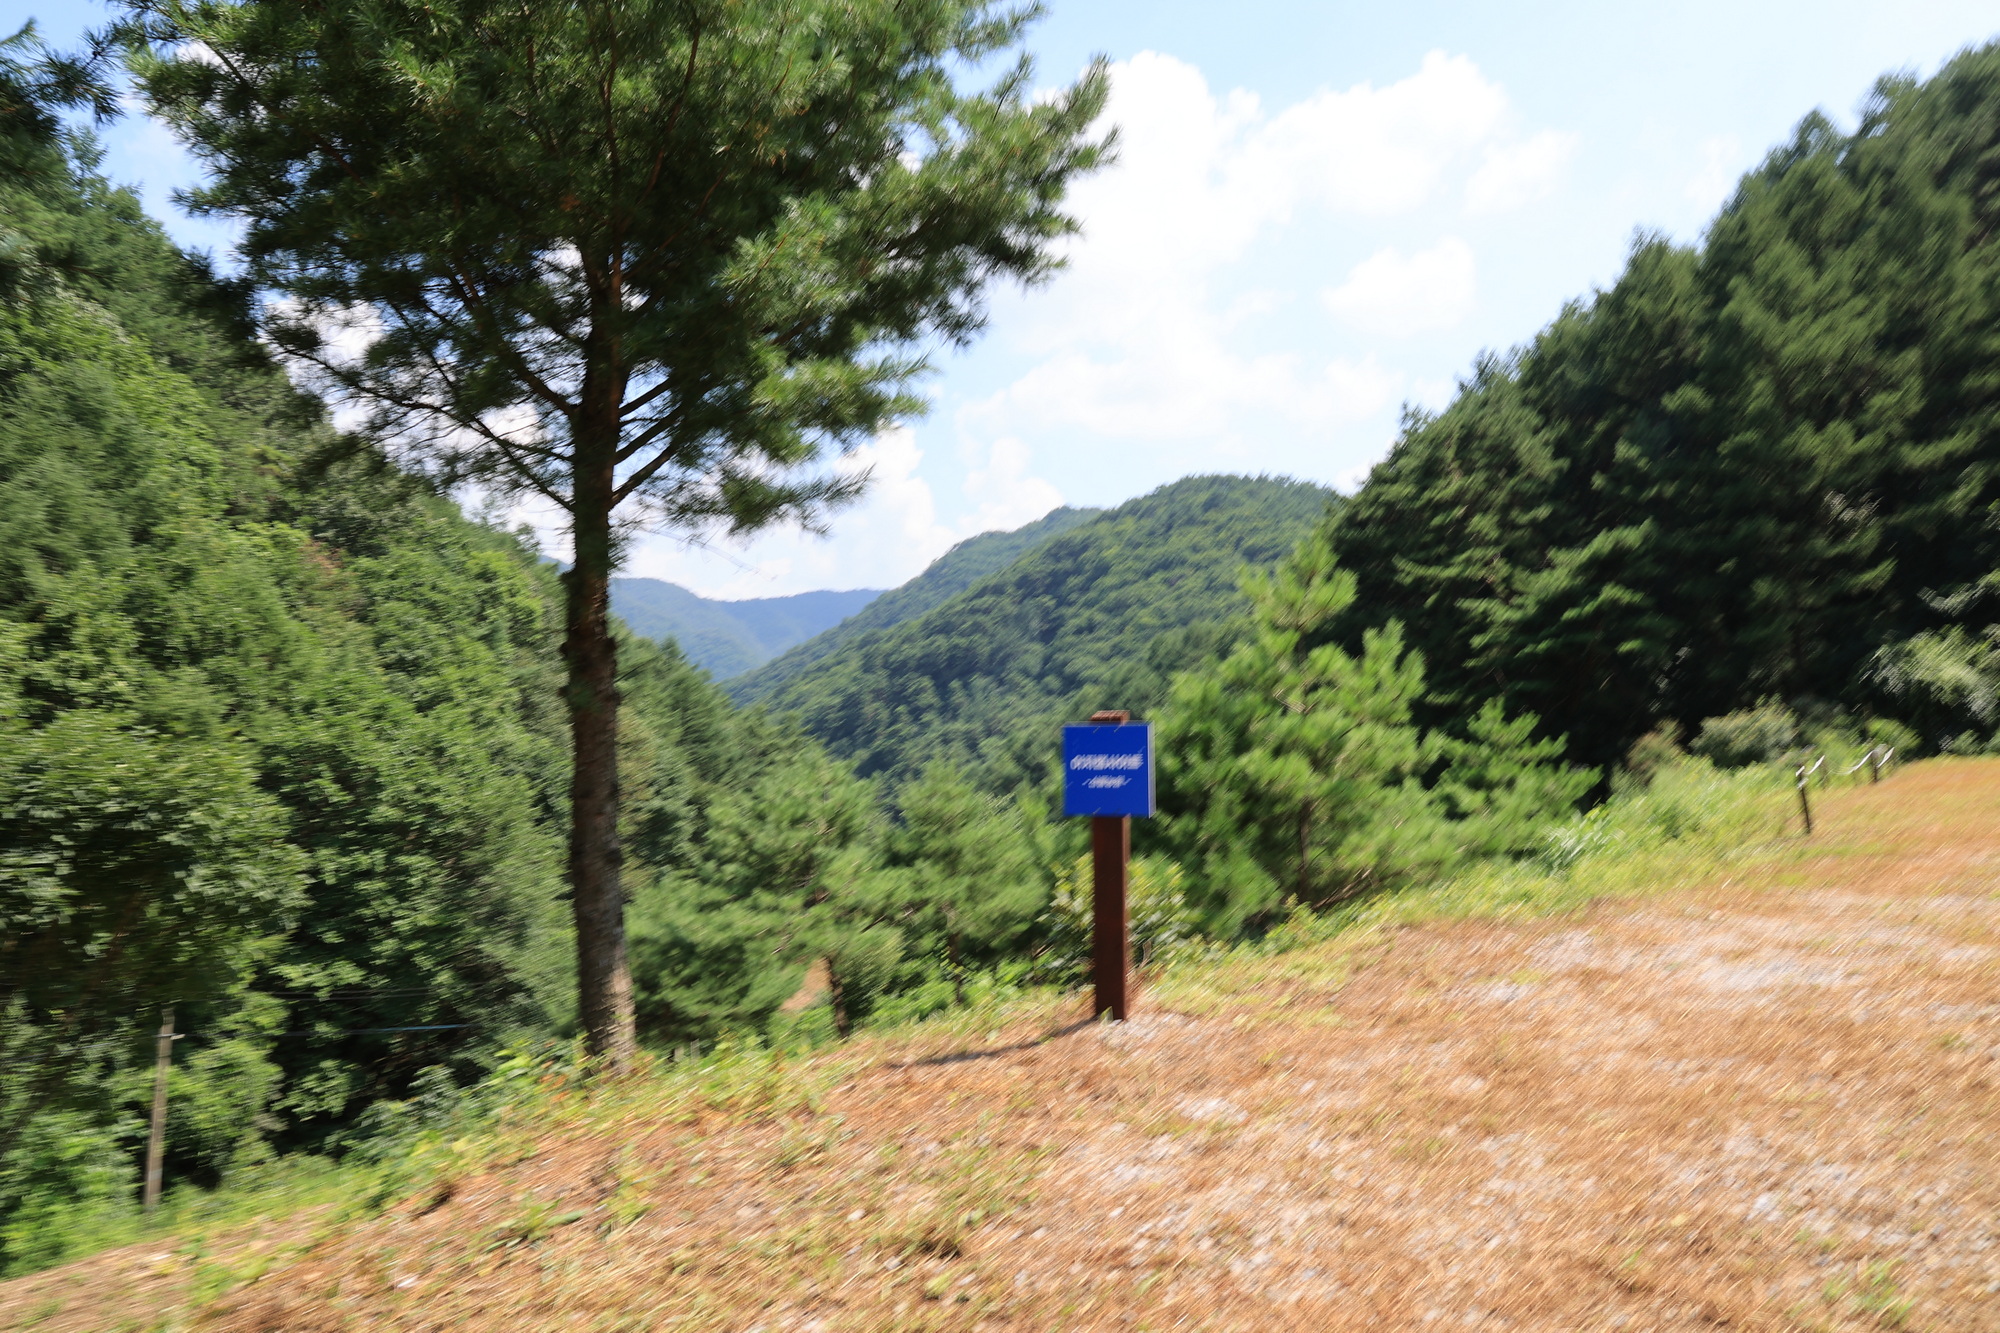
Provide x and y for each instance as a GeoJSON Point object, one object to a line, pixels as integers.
{"type": "Point", "coordinates": [1096, 617]}
{"type": "Point", "coordinates": [280, 746]}
{"type": "Point", "coordinates": [950, 574]}
{"type": "Point", "coordinates": [1764, 467]}
{"type": "Point", "coordinates": [283, 744]}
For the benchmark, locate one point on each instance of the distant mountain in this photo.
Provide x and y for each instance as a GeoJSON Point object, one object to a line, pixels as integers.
{"type": "Point", "coordinates": [950, 574]}
{"type": "Point", "coordinates": [1099, 616]}
{"type": "Point", "coordinates": [729, 638]}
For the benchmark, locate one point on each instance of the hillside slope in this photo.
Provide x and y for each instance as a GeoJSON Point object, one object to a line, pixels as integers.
{"type": "Point", "coordinates": [281, 740]}
{"type": "Point", "coordinates": [950, 574]}
{"type": "Point", "coordinates": [1742, 471]}
{"type": "Point", "coordinates": [1092, 610]}
{"type": "Point", "coordinates": [1760, 1100]}
{"type": "Point", "coordinates": [728, 638]}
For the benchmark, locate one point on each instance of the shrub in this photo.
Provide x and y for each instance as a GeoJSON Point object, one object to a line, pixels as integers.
{"type": "Point", "coordinates": [1653, 751]}
{"type": "Point", "coordinates": [1155, 900]}
{"type": "Point", "coordinates": [64, 1181]}
{"type": "Point", "coordinates": [1948, 684]}
{"type": "Point", "coordinates": [1749, 736]}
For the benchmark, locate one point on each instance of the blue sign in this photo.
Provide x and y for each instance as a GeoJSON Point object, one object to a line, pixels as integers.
{"type": "Point", "coordinates": [1108, 769]}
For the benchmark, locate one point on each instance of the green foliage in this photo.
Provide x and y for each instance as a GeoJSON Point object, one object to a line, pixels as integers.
{"type": "Point", "coordinates": [690, 199]}
{"type": "Point", "coordinates": [1290, 770]}
{"type": "Point", "coordinates": [1296, 771]}
{"type": "Point", "coordinates": [970, 888]}
{"type": "Point", "coordinates": [219, 1095]}
{"type": "Point", "coordinates": [1739, 471]}
{"type": "Point", "coordinates": [1157, 909]}
{"type": "Point", "coordinates": [982, 679]}
{"type": "Point", "coordinates": [773, 856]}
{"type": "Point", "coordinates": [950, 574]}
{"type": "Point", "coordinates": [132, 872]}
{"type": "Point", "coordinates": [1649, 754]}
{"type": "Point", "coordinates": [1947, 683]}
{"type": "Point", "coordinates": [64, 1179]}
{"type": "Point", "coordinates": [276, 737]}
{"type": "Point", "coordinates": [691, 246]}
{"type": "Point", "coordinates": [784, 870]}
{"type": "Point", "coordinates": [1500, 786]}
{"type": "Point", "coordinates": [1757, 735]}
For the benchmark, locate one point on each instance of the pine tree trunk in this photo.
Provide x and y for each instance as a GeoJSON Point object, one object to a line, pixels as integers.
{"type": "Point", "coordinates": [597, 894]}
{"type": "Point", "coordinates": [1305, 852]}
{"type": "Point", "coordinates": [836, 1000]}
{"type": "Point", "coordinates": [957, 969]}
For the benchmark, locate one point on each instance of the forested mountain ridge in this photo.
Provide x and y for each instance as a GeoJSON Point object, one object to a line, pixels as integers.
{"type": "Point", "coordinates": [281, 740]}
{"type": "Point", "coordinates": [728, 638]}
{"type": "Point", "coordinates": [1114, 605]}
{"type": "Point", "coordinates": [947, 576]}
{"type": "Point", "coordinates": [277, 732]}
{"type": "Point", "coordinates": [281, 730]}
{"type": "Point", "coordinates": [1746, 470]}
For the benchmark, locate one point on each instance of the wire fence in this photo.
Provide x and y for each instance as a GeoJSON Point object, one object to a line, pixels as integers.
{"type": "Point", "coordinates": [1877, 758]}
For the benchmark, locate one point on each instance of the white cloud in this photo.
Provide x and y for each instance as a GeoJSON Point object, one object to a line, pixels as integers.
{"type": "Point", "coordinates": [1514, 174]}
{"type": "Point", "coordinates": [1199, 178]}
{"type": "Point", "coordinates": [1151, 335]}
{"type": "Point", "coordinates": [1379, 150]}
{"type": "Point", "coordinates": [1397, 295]}
{"type": "Point", "coordinates": [1004, 495]}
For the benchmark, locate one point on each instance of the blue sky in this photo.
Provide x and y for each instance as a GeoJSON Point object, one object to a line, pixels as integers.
{"type": "Point", "coordinates": [1323, 212]}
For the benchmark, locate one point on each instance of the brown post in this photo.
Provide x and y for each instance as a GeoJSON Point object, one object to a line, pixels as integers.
{"type": "Point", "coordinates": [1805, 806]}
{"type": "Point", "coordinates": [1111, 944]}
{"type": "Point", "coordinates": [156, 1141]}
{"type": "Point", "coordinates": [1111, 933]}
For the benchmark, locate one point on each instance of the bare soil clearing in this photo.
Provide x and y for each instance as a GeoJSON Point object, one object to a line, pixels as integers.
{"type": "Point", "coordinates": [1764, 1103]}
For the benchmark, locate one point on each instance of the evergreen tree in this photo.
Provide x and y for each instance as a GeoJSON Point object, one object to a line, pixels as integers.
{"type": "Point", "coordinates": [971, 889]}
{"type": "Point", "coordinates": [1737, 473]}
{"type": "Point", "coordinates": [802, 847]}
{"type": "Point", "coordinates": [1292, 770]}
{"type": "Point", "coordinates": [645, 258]}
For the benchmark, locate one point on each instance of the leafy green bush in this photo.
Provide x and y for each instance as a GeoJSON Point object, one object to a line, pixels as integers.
{"type": "Point", "coordinates": [66, 1180]}
{"type": "Point", "coordinates": [1948, 684]}
{"type": "Point", "coordinates": [1156, 905]}
{"type": "Point", "coordinates": [1759, 735]}
{"type": "Point", "coordinates": [1649, 754]}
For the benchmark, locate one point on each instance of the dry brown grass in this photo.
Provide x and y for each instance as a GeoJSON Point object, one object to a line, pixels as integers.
{"type": "Point", "coordinates": [1765, 1103]}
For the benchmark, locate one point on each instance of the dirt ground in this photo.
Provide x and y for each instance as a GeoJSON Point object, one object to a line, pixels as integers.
{"type": "Point", "coordinates": [1764, 1104]}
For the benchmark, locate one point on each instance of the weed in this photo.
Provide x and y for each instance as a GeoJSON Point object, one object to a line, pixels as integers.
{"type": "Point", "coordinates": [1876, 1295]}
{"type": "Point", "coordinates": [971, 1185]}
{"type": "Point", "coordinates": [536, 1221]}
{"type": "Point", "coordinates": [629, 1197]}
{"type": "Point", "coordinates": [803, 1142]}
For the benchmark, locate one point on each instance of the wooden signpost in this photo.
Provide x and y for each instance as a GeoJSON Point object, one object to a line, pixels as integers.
{"type": "Point", "coordinates": [1108, 776]}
